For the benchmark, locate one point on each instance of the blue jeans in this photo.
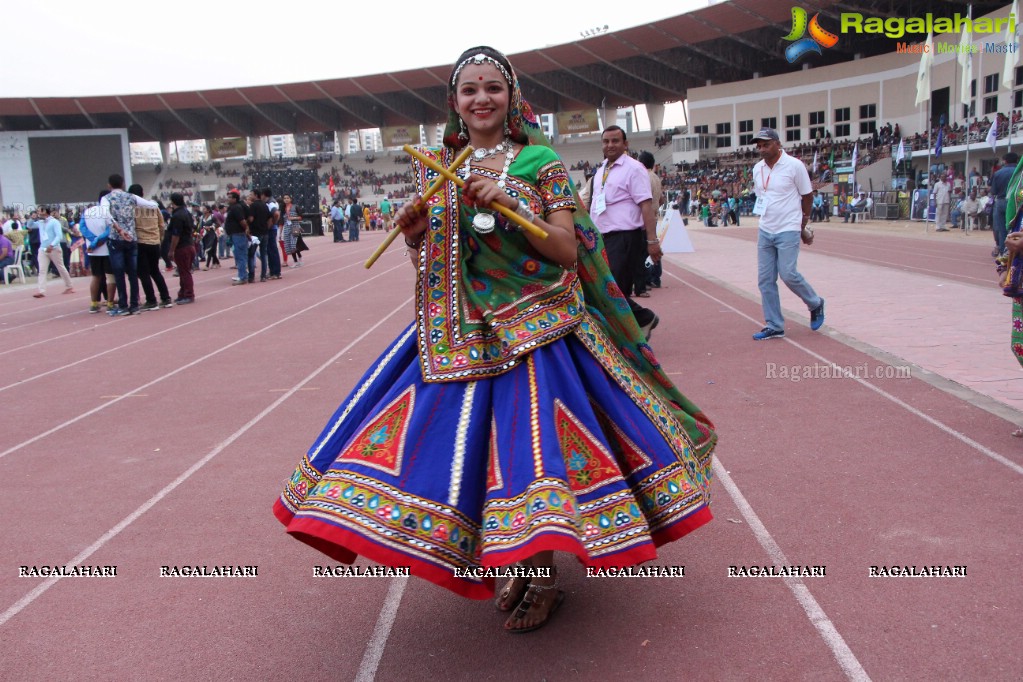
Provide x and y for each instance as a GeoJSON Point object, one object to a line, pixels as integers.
{"type": "Point", "coordinates": [240, 246]}
{"type": "Point", "coordinates": [353, 230]}
{"type": "Point", "coordinates": [273, 256]}
{"type": "Point", "coordinates": [339, 230]}
{"type": "Point", "coordinates": [124, 261]}
{"type": "Point", "coordinates": [999, 227]}
{"type": "Point", "coordinates": [222, 246]}
{"type": "Point", "coordinates": [776, 256]}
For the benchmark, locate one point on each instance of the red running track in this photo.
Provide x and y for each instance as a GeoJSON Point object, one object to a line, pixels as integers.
{"type": "Point", "coordinates": [163, 439]}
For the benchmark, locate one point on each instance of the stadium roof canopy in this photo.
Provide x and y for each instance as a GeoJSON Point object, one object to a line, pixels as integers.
{"type": "Point", "coordinates": [655, 62]}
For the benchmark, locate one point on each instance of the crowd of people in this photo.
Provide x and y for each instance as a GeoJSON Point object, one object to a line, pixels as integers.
{"type": "Point", "coordinates": [126, 243]}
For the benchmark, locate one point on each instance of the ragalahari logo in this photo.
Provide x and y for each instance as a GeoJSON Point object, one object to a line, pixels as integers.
{"type": "Point", "coordinates": [818, 36]}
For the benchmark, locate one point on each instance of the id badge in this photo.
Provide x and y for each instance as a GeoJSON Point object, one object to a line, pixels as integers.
{"type": "Point", "coordinates": [758, 207]}
{"type": "Point", "coordinates": [599, 204]}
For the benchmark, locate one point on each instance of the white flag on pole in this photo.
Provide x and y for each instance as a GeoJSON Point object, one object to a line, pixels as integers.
{"type": "Point", "coordinates": [923, 76]}
{"type": "Point", "coordinates": [901, 153]}
{"type": "Point", "coordinates": [965, 59]}
{"type": "Point", "coordinates": [814, 167]}
{"type": "Point", "coordinates": [856, 154]}
{"type": "Point", "coordinates": [1011, 55]}
{"type": "Point", "coordinates": [992, 134]}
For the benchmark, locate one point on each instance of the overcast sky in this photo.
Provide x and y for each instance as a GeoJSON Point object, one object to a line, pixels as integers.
{"type": "Point", "coordinates": [83, 47]}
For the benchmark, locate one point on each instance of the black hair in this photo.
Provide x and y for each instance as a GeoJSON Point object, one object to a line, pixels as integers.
{"type": "Point", "coordinates": [102, 194]}
{"type": "Point", "coordinates": [177, 199]}
{"type": "Point", "coordinates": [618, 128]}
{"type": "Point", "coordinates": [135, 189]}
{"type": "Point", "coordinates": [116, 181]}
{"type": "Point", "coordinates": [647, 159]}
{"type": "Point", "coordinates": [517, 134]}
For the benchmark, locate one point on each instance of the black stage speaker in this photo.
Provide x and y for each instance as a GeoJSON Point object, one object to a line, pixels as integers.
{"type": "Point", "coordinates": [300, 185]}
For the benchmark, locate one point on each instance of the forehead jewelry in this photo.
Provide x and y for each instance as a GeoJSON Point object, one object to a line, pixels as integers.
{"type": "Point", "coordinates": [477, 59]}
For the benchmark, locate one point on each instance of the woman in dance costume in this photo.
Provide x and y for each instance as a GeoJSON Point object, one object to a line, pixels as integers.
{"type": "Point", "coordinates": [522, 412]}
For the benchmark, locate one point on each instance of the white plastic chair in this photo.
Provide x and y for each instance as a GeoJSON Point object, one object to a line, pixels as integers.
{"type": "Point", "coordinates": [17, 267]}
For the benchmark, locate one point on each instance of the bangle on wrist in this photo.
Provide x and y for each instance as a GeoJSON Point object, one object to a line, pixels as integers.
{"type": "Point", "coordinates": [523, 211]}
{"type": "Point", "coordinates": [416, 244]}
{"type": "Point", "coordinates": [653, 241]}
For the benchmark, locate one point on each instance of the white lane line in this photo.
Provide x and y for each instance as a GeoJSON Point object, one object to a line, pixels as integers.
{"type": "Point", "coordinates": [962, 437]}
{"type": "Point", "coordinates": [54, 338]}
{"type": "Point", "coordinates": [200, 280]}
{"type": "Point", "coordinates": [381, 631]}
{"type": "Point", "coordinates": [195, 362]}
{"type": "Point", "coordinates": [42, 587]}
{"type": "Point", "coordinates": [898, 265]}
{"type": "Point", "coordinates": [194, 320]}
{"type": "Point", "coordinates": [818, 618]}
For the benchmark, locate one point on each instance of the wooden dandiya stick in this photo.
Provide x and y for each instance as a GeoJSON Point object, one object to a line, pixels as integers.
{"type": "Point", "coordinates": [433, 189]}
{"type": "Point", "coordinates": [503, 210]}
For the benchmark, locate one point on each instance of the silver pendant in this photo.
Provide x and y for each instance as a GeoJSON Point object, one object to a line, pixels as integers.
{"type": "Point", "coordinates": [480, 154]}
{"type": "Point", "coordinates": [484, 223]}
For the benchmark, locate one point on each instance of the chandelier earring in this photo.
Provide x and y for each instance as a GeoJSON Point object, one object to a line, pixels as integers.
{"type": "Point", "coordinates": [507, 129]}
{"type": "Point", "coordinates": [463, 132]}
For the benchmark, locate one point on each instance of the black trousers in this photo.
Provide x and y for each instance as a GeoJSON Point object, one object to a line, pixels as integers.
{"type": "Point", "coordinates": [626, 255]}
{"type": "Point", "coordinates": [149, 272]}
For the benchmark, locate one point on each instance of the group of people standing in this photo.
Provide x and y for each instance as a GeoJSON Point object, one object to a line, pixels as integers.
{"type": "Point", "coordinates": [256, 227]}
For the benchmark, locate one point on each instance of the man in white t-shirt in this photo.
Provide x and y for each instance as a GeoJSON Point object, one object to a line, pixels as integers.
{"type": "Point", "coordinates": [784, 198]}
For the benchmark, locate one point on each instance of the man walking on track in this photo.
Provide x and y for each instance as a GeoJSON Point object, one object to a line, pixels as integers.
{"type": "Point", "coordinates": [784, 198]}
{"type": "Point", "coordinates": [50, 237]}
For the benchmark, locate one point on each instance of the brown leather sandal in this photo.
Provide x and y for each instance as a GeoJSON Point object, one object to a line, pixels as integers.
{"type": "Point", "coordinates": [540, 598]}
{"type": "Point", "coordinates": [512, 592]}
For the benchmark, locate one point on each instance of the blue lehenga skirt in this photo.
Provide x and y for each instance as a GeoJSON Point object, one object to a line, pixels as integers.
{"type": "Point", "coordinates": [553, 454]}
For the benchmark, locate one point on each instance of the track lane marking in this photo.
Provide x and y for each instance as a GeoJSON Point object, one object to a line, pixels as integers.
{"type": "Point", "coordinates": [193, 363]}
{"type": "Point", "coordinates": [44, 586]}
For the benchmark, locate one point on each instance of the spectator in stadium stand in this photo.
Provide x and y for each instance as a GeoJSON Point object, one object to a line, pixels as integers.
{"type": "Point", "coordinates": [6, 252]}
{"type": "Point", "coordinates": [12, 223]}
{"type": "Point", "coordinates": [623, 209]}
{"type": "Point", "coordinates": [942, 196]}
{"type": "Point", "coordinates": [259, 227]}
{"type": "Point", "coordinates": [95, 228]}
{"type": "Point", "coordinates": [512, 432]}
{"type": "Point", "coordinates": [32, 237]}
{"type": "Point", "coordinates": [294, 244]}
{"type": "Point", "coordinates": [784, 195]}
{"type": "Point", "coordinates": [119, 208]}
{"type": "Point", "coordinates": [223, 240]}
{"type": "Point", "coordinates": [999, 190]}
{"type": "Point", "coordinates": [149, 229]}
{"type": "Point", "coordinates": [385, 213]}
{"type": "Point", "coordinates": [273, 256]}
{"type": "Point", "coordinates": [354, 218]}
{"type": "Point", "coordinates": [651, 276]}
{"type": "Point", "coordinates": [181, 230]}
{"type": "Point", "coordinates": [17, 233]}
{"type": "Point", "coordinates": [236, 225]}
{"type": "Point", "coordinates": [337, 220]}
{"type": "Point", "coordinates": [50, 236]}
{"type": "Point", "coordinates": [210, 237]}
{"type": "Point", "coordinates": [817, 211]}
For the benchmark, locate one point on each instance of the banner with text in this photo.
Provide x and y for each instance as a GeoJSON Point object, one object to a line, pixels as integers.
{"type": "Point", "coordinates": [396, 136]}
{"type": "Point", "coordinates": [226, 147]}
{"type": "Point", "coordinates": [570, 122]}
